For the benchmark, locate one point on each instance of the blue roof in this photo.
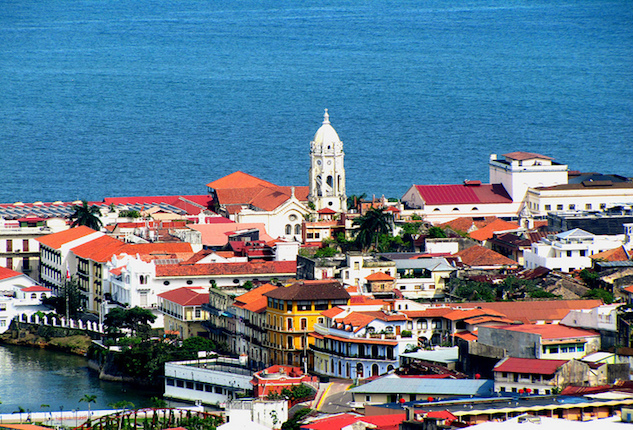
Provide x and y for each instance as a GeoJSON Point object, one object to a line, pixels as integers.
{"type": "Point", "coordinates": [393, 384]}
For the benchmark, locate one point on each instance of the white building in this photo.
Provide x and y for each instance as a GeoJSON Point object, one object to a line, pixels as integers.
{"type": "Point", "coordinates": [360, 266]}
{"type": "Point", "coordinates": [570, 250]}
{"type": "Point", "coordinates": [210, 381]}
{"type": "Point", "coordinates": [327, 170]}
{"type": "Point", "coordinates": [19, 295]}
{"type": "Point", "coordinates": [423, 278]}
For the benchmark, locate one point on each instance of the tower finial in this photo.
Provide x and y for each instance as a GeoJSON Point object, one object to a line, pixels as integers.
{"type": "Point", "coordinates": [326, 117]}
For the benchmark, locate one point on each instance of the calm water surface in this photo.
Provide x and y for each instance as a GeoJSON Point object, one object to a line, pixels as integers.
{"type": "Point", "coordinates": [30, 377]}
{"type": "Point", "coordinates": [104, 98]}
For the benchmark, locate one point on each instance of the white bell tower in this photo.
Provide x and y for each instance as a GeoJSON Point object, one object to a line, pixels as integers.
{"type": "Point", "coordinates": [327, 172]}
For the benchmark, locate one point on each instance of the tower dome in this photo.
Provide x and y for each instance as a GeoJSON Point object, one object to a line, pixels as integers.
{"type": "Point", "coordinates": [326, 135]}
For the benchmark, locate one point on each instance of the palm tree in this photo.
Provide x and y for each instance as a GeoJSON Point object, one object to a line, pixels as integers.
{"type": "Point", "coordinates": [86, 215]}
{"type": "Point", "coordinates": [354, 201]}
{"type": "Point", "coordinates": [88, 398]}
{"type": "Point", "coordinates": [20, 411]}
{"type": "Point", "coordinates": [371, 226]}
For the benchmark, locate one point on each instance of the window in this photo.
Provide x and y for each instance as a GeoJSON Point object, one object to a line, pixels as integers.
{"type": "Point", "coordinates": [304, 323]}
{"type": "Point", "coordinates": [289, 323]}
{"type": "Point", "coordinates": [580, 348]}
{"type": "Point", "coordinates": [180, 383]}
{"type": "Point", "coordinates": [198, 313]}
{"type": "Point", "coordinates": [548, 207]}
{"type": "Point", "coordinates": [26, 264]}
{"type": "Point", "coordinates": [320, 320]}
{"type": "Point", "coordinates": [588, 206]}
{"type": "Point", "coordinates": [553, 350]}
{"type": "Point", "coordinates": [218, 390]}
{"type": "Point", "coordinates": [199, 386]}
{"type": "Point", "coordinates": [422, 325]}
{"type": "Point", "coordinates": [189, 282]}
{"type": "Point", "coordinates": [34, 295]}
{"type": "Point", "coordinates": [25, 245]}
{"type": "Point", "coordinates": [572, 207]}
{"type": "Point", "coordinates": [288, 229]}
{"type": "Point", "coordinates": [603, 205]}
{"type": "Point", "coordinates": [504, 374]}
{"type": "Point", "coordinates": [502, 389]}
{"type": "Point", "coordinates": [9, 245]}
{"type": "Point", "coordinates": [572, 349]}
{"type": "Point", "coordinates": [304, 305]}
{"type": "Point", "coordinates": [559, 207]}
{"type": "Point", "coordinates": [569, 253]}
{"type": "Point", "coordinates": [310, 235]}
{"type": "Point", "coordinates": [356, 265]}
{"type": "Point", "coordinates": [563, 350]}
{"type": "Point", "coordinates": [298, 229]}
{"type": "Point", "coordinates": [583, 253]}
{"type": "Point", "coordinates": [170, 382]}
{"type": "Point", "coordinates": [320, 305]}
{"type": "Point", "coordinates": [166, 283]}
{"type": "Point", "coordinates": [368, 398]}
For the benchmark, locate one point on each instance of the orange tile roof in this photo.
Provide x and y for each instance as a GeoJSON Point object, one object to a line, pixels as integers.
{"type": "Point", "coordinates": [365, 300]}
{"type": "Point", "coordinates": [56, 240]}
{"type": "Point", "coordinates": [466, 335]}
{"type": "Point", "coordinates": [486, 319]}
{"type": "Point", "coordinates": [35, 288]}
{"type": "Point", "coordinates": [550, 331]}
{"type": "Point", "coordinates": [380, 315]}
{"type": "Point", "coordinates": [466, 223]}
{"type": "Point", "coordinates": [284, 268]}
{"type": "Point", "coordinates": [187, 296]}
{"type": "Point", "coordinates": [357, 320]}
{"type": "Point", "coordinates": [461, 314]}
{"type": "Point", "coordinates": [239, 180]}
{"type": "Point", "coordinates": [529, 365]}
{"type": "Point", "coordinates": [379, 276]}
{"type": "Point", "coordinates": [520, 155]}
{"type": "Point", "coordinates": [8, 273]}
{"type": "Point", "coordinates": [488, 231]}
{"type": "Point", "coordinates": [629, 289]}
{"type": "Point", "coordinates": [429, 312]}
{"type": "Point", "coordinates": [217, 234]}
{"type": "Point", "coordinates": [356, 340]}
{"type": "Point", "coordinates": [616, 254]}
{"type": "Point", "coordinates": [533, 310]}
{"type": "Point", "coordinates": [479, 256]}
{"type": "Point", "coordinates": [332, 312]}
{"type": "Point", "coordinates": [254, 300]}
{"type": "Point", "coordinates": [100, 249]}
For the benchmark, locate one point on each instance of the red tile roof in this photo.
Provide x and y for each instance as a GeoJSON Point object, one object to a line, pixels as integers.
{"type": "Point", "coordinates": [56, 240]}
{"type": "Point", "coordinates": [332, 312]}
{"type": "Point", "coordinates": [533, 310]}
{"type": "Point", "coordinates": [616, 254]}
{"type": "Point", "coordinates": [529, 365]}
{"type": "Point", "coordinates": [520, 156]}
{"type": "Point", "coordinates": [488, 231]}
{"type": "Point", "coordinates": [463, 194]}
{"type": "Point", "coordinates": [379, 276]}
{"type": "Point", "coordinates": [35, 289]}
{"type": "Point", "coordinates": [187, 296]}
{"type": "Point", "coordinates": [465, 223]}
{"type": "Point", "coordinates": [239, 180]}
{"type": "Point", "coordinates": [100, 249]}
{"type": "Point", "coordinates": [216, 235]}
{"type": "Point", "coordinates": [285, 268]}
{"type": "Point", "coordinates": [466, 335]}
{"type": "Point", "coordinates": [365, 300]}
{"type": "Point", "coordinates": [326, 211]}
{"type": "Point", "coordinates": [478, 256]}
{"type": "Point", "coordinates": [357, 320]}
{"type": "Point", "coordinates": [254, 300]}
{"type": "Point", "coordinates": [8, 273]}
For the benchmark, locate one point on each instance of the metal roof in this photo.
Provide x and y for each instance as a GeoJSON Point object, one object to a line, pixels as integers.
{"type": "Point", "coordinates": [393, 384]}
{"type": "Point", "coordinates": [440, 355]}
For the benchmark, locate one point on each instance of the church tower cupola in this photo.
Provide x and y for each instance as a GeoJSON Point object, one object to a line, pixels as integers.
{"type": "Point", "coordinates": [327, 172]}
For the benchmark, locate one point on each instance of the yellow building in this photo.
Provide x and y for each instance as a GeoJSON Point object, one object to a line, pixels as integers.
{"type": "Point", "coordinates": [291, 314]}
{"type": "Point", "coordinates": [182, 310]}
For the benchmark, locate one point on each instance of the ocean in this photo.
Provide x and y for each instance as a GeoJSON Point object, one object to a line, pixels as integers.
{"type": "Point", "coordinates": [158, 97]}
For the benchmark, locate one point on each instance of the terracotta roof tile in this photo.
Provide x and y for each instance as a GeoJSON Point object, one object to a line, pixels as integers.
{"type": "Point", "coordinates": [465, 335]}
{"type": "Point", "coordinates": [488, 231]}
{"type": "Point", "coordinates": [480, 256]}
{"type": "Point", "coordinates": [520, 156]}
{"type": "Point", "coordinates": [239, 180]}
{"type": "Point", "coordinates": [100, 249]}
{"type": "Point", "coordinates": [533, 310]}
{"type": "Point", "coordinates": [284, 268]}
{"type": "Point", "coordinates": [215, 235]}
{"type": "Point", "coordinates": [379, 276]}
{"type": "Point", "coordinates": [8, 273]}
{"type": "Point", "coordinates": [187, 296]}
{"type": "Point", "coordinates": [35, 289]}
{"type": "Point", "coordinates": [529, 365]}
{"type": "Point", "coordinates": [56, 240]}
{"type": "Point", "coordinates": [467, 224]}
{"type": "Point", "coordinates": [429, 312]}
{"type": "Point", "coordinates": [310, 290]}
{"type": "Point", "coordinates": [616, 254]}
{"type": "Point", "coordinates": [332, 312]}
{"type": "Point", "coordinates": [463, 194]}
{"type": "Point", "coordinates": [254, 300]}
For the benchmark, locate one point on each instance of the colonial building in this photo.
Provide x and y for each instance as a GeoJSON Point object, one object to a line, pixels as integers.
{"type": "Point", "coordinates": [183, 312]}
{"type": "Point", "coordinates": [327, 171]}
{"type": "Point", "coordinates": [292, 312]}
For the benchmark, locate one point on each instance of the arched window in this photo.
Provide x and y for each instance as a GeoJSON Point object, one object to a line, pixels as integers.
{"type": "Point", "coordinates": [297, 228]}
{"type": "Point", "coordinates": [359, 370]}
{"type": "Point", "coordinates": [375, 370]}
{"type": "Point", "coordinates": [455, 209]}
{"type": "Point", "coordinates": [34, 296]}
{"type": "Point", "coordinates": [330, 181]}
{"type": "Point", "coordinates": [288, 229]}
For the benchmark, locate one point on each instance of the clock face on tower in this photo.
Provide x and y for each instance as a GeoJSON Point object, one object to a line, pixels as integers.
{"type": "Point", "coordinates": [319, 162]}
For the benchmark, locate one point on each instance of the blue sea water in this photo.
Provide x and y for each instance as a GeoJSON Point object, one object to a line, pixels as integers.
{"type": "Point", "coordinates": [114, 98]}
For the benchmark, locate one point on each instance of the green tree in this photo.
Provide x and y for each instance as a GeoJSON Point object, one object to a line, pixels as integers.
{"type": "Point", "coordinates": [590, 278]}
{"type": "Point", "coordinates": [599, 293]}
{"type": "Point", "coordinates": [354, 202]}
{"type": "Point", "coordinates": [88, 398]}
{"type": "Point", "coordinates": [436, 233]}
{"type": "Point", "coordinates": [137, 319]}
{"type": "Point", "coordinates": [69, 299]}
{"type": "Point", "coordinates": [294, 423]}
{"type": "Point", "coordinates": [86, 215]}
{"type": "Point", "coordinates": [374, 223]}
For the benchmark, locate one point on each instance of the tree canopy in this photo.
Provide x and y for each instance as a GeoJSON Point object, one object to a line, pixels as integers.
{"type": "Point", "coordinates": [136, 319]}
{"type": "Point", "coordinates": [374, 223]}
{"type": "Point", "coordinates": [86, 215]}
